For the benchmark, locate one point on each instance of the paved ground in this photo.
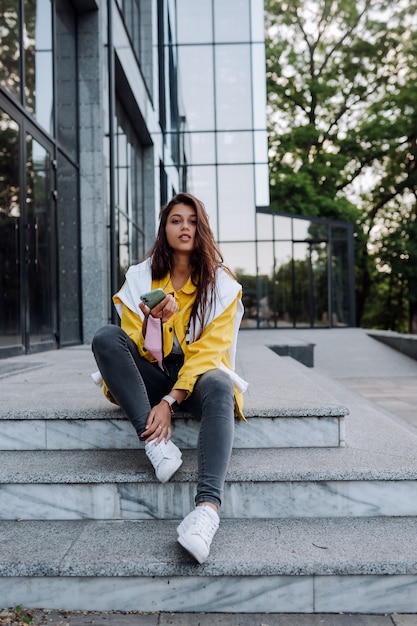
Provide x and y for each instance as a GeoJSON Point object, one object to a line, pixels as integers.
{"type": "Point", "coordinates": [65, 618]}
{"type": "Point", "coordinates": [370, 368]}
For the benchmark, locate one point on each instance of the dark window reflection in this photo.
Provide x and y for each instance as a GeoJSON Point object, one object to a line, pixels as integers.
{"type": "Point", "coordinates": [66, 77]}
{"type": "Point", "coordinates": [10, 318]}
{"type": "Point", "coordinates": [38, 241]}
{"type": "Point", "coordinates": [69, 253]}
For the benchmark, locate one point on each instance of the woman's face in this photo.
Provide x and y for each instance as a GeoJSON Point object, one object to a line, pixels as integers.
{"type": "Point", "coordinates": [181, 227]}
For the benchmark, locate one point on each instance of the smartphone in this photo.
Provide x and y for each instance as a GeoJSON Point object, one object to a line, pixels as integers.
{"type": "Point", "coordinates": [154, 297]}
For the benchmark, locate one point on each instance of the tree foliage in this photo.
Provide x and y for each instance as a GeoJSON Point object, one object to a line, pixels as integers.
{"type": "Point", "coordinates": [342, 78]}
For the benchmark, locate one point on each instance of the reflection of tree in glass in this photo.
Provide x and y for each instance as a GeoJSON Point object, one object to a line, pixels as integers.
{"type": "Point", "coordinates": [29, 43]}
{"type": "Point", "coordinates": [9, 227]}
{"type": "Point", "coordinates": [9, 46]}
{"type": "Point", "coordinates": [9, 166]}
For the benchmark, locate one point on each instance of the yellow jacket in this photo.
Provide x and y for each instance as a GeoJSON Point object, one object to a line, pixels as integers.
{"type": "Point", "coordinates": [215, 345]}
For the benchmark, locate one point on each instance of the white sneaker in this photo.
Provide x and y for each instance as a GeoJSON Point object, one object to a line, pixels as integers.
{"type": "Point", "coordinates": [165, 458]}
{"type": "Point", "coordinates": [196, 531]}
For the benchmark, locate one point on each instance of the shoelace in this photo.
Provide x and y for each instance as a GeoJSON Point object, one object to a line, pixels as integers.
{"type": "Point", "coordinates": [205, 527]}
{"type": "Point", "coordinates": [156, 453]}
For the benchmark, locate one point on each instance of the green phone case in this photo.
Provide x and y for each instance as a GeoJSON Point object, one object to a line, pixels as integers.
{"type": "Point", "coordinates": [154, 297]}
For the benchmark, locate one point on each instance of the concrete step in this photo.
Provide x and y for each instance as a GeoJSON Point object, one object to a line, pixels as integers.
{"type": "Point", "coordinates": [278, 566]}
{"type": "Point", "coordinates": [99, 484]}
{"type": "Point", "coordinates": [109, 428]}
{"type": "Point", "coordinates": [57, 408]}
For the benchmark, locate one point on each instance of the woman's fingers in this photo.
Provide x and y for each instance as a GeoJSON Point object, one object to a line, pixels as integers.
{"type": "Point", "coordinates": [158, 425]}
{"type": "Point", "coordinates": [165, 309]}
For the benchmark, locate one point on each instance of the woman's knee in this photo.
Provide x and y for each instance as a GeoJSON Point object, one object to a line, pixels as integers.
{"type": "Point", "coordinates": [217, 382]}
{"type": "Point", "coordinates": [106, 337]}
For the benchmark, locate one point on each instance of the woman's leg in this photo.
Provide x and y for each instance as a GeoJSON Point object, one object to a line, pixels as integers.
{"type": "Point", "coordinates": [134, 383]}
{"type": "Point", "coordinates": [213, 401]}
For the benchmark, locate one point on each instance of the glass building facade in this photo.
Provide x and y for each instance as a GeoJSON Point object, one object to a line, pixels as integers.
{"type": "Point", "coordinates": [107, 108]}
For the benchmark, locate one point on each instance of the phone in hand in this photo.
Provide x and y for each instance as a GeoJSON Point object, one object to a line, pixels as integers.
{"type": "Point", "coordinates": [154, 297]}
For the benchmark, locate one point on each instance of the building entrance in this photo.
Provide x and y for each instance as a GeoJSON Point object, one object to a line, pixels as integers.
{"type": "Point", "coordinates": [27, 240]}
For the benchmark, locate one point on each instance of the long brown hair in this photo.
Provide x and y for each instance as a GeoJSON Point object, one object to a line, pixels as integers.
{"type": "Point", "coordinates": [205, 258]}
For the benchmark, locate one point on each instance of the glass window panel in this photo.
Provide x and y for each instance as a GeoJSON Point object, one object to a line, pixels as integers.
{"type": "Point", "coordinates": [236, 202]}
{"type": "Point", "coordinates": [38, 61]}
{"type": "Point", "coordinates": [233, 87]}
{"type": "Point", "coordinates": [262, 184]}
{"type": "Point", "coordinates": [283, 227]}
{"type": "Point", "coordinates": [194, 21]}
{"type": "Point", "coordinates": [10, 46]}
{"type": "Point", "coordinates": [241, 258]}
{"type": "Point", "coordinates": [340, 284]}
{"type": "Point", "coordinates": [260, 139]}
{"type": "Point", "coordinates": [122, 189]}
{"type": "Point", "coordinates": [259, 86]}
{"type": "Point", "coordinates": [301, 229]}
{"type": "Point", "coordinates": [302, 292]}
{"type": "Point", "coordinates": [284, 283]}
{"type": "Point", "coordinates": [137, 202]}
{"type": "Point", "coordinates": [234, 147]}
{"type": "Point", "coordinates": [319, 284]}
{"type": "Point", "coordinates": [257, 20]}
{"type": "Point", "coordinates": [339, 232]}
{"type": "Point", "coordinates": [10, 223]}
{"type": "Point", "coordinates": [68, 250]}
{"type": "Point", "coordinates": [202, 183]}
{"type": "Point", "coordinates": [264, 226]}
{"type": "Point", "coordinates": [39, 216]}
{"type": "Point", "coordinates": [319, 231]}
{"type": "Point", "coordinates": [121, 147]}
{"type": "Point", "coordinates": [195, 72]}
{"type": "Point", "coordinates": [129, 173]}
{"type": "Point", "coordinates": [265, 285]}
{"type": "Point", "coordinates": [310, 284]}
{"type": "Point", "coordinates": [226, 25]}
{"type": "Point", "coordinates": [66, 77]}
{"type": "Point", "coordinates": [201, 148]}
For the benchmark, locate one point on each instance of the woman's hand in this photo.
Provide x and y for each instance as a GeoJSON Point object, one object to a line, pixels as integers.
{"type": "Point", "coordinates": [158, 424]}
{"type": "Point", "coordinates": [164, 310]}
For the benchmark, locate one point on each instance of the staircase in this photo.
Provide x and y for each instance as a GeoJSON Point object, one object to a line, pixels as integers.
{"type": "Point", "coordinates": [318, 516]}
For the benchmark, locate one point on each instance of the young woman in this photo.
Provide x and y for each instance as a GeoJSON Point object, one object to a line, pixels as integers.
{"type": "Point", "coordinates": [198, 321]}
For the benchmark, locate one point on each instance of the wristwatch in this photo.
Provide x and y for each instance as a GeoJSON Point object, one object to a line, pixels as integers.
{"type": "Point", "coordinates": [173, 404]}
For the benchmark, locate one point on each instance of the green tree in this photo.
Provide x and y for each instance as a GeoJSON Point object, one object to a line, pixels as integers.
{"type": "Point", "coordinates": [342, 122]}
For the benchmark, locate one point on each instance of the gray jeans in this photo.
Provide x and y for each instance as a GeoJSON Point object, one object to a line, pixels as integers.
{"type": "Point", "coordinates": [137, 385]}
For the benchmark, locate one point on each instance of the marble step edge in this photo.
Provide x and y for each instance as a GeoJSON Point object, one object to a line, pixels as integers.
{"type": "Point", "coordinates": [246, 465]}
{"type": "Point", "coordinates": [120, 434]}
{"type": "Point", "coordinates": [283, 547]}
{"type": "Point", "coordinates": [241, 500]}
{"type": "Point", "coordinates": [98, 411]}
